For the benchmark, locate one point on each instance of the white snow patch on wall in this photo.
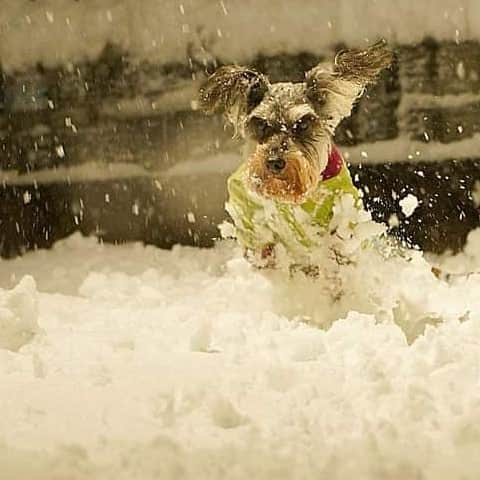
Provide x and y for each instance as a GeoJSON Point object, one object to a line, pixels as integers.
{"type": "Point", "coordinates": [89, 171]}
{"type": "Point", "coordinates": [60, 31]}
{"type": "Point", "coordinates": [402, 149]}
{"type": "Point", "coordinates": [225, 162]}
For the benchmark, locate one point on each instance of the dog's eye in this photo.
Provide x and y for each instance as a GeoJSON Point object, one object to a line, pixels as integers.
{"type": "Point", "coordinates": [260, 129]}
{"type": "Point", "coordinates": [303, 125]}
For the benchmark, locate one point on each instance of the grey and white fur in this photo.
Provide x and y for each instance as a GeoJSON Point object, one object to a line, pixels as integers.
{"type": "Point", "coordinates": [290, 126]}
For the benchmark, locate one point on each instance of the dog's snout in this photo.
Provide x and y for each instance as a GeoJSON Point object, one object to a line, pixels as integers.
{"type": "Point", "coordinates": [276, 164]}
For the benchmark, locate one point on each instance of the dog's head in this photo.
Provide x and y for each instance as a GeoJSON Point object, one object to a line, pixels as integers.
{"type": "Point", "coordinates": [291, 125]}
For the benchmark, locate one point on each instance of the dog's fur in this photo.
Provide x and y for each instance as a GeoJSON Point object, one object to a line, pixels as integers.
{"type": "Point", "coordinates": [290, 126]}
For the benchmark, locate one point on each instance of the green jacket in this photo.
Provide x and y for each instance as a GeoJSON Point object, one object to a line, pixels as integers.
{"type": "Point", "coordinates": [260, 222]}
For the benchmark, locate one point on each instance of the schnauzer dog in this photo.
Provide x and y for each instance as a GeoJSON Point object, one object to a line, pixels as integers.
{"type": "Point", "coordinates": [284, 196]}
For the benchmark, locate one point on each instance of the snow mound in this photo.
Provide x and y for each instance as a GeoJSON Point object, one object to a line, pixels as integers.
{"type": "Point", "coordinates": [18, 314]}
{"type": "Point", "coordinates": [191, 364]}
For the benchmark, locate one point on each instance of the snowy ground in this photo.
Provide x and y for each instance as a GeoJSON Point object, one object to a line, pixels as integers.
{"type": "Point", "coordinates": [131, 362]}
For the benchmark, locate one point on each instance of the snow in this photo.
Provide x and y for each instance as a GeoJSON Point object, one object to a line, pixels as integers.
{"type": "Point", "coordinates": [403, 149]}
{"type": "Point", "coordinates": [189, 363]}
{"type": "Point", "coordinates": [88, 171]}
{"type": "Point", "coordinates": [408, 204]}
{"type": "Point", "coordinates": [66, 31]}
{"type": "Point", "coordinates": [224, 162]}
{"type": "Point", "coordinates": [19, 315]}
{"type": "Point", "coordinates": [464, 263]}
{"type": "Point", "coordinates": [476, 193]}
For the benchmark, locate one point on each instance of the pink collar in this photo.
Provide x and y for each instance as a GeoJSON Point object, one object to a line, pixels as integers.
{"type": "Point", "coordinates": [334, 165]}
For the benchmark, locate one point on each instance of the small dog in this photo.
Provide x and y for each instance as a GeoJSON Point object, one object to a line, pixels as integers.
{"type": "Point", "coordinates": [283, 197]}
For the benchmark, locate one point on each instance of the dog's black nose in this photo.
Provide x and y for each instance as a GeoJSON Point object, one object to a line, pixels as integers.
{"type": "Point", "coordinates": [276, 165]}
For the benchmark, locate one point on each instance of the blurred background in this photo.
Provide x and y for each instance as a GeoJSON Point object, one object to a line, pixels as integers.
{"type": "Point", "coordinates": [100, 134]}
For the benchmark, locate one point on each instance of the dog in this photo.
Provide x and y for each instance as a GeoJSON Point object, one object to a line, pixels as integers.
{"type": "Point", "coordinates": [283, 198]}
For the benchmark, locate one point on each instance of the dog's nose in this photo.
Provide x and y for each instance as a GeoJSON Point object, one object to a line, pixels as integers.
{"type": "Point", "coordinates": [276, 165]}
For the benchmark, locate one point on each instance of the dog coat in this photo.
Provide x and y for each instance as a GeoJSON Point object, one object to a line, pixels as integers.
{"type": "Point", "coordinates": [261, 223]}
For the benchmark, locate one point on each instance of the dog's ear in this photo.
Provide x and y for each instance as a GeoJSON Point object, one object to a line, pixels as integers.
{"type": "Point", "coordinates": [333, 90]}
{"type": "Point", "coordinates": [233, 90]}
{"type": "Point", "coordinates": [363, 66]}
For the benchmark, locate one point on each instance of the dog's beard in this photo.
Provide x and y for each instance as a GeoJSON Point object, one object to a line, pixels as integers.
{"type": "Point", "coordinates": [293, 185]}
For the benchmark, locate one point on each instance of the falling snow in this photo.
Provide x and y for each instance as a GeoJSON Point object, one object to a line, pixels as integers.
{"type": "Point", "coordinates": [408, 204]}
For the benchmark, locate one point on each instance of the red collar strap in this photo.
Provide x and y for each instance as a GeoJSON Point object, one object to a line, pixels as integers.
{"type": "Point", "coordinates": [334, 165]}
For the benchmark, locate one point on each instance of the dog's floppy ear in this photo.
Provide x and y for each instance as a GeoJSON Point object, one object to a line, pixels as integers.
{"type": "Point", "coordinates": [363, 66]}
{"type": "Point", "coordinates": [233, 90]}
{"type": "Point", "coordinates": [333, 90]}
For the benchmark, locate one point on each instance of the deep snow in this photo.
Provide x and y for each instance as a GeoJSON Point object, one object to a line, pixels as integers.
{"type": "Point", "coordinates": [190, 364]}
